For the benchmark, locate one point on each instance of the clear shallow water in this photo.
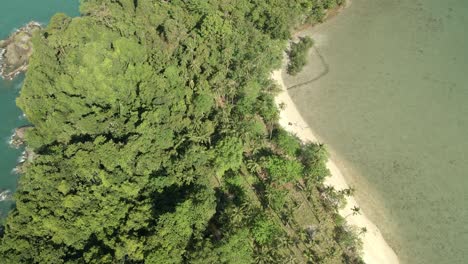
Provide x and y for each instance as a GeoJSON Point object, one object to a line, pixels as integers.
{"type": "Point", "coordinates": [394, 111]}
{"type": "Point", "coordinates": [13, 15]}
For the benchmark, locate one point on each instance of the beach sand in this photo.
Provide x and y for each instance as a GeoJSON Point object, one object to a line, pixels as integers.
{"type": "Point", "coordinates": [375, 248]}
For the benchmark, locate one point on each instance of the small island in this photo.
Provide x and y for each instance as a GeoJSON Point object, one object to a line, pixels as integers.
{"type": "Point", "coordinates": [16, 50]}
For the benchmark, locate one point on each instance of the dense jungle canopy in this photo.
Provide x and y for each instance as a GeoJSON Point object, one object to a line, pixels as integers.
{"type": "Point", "coordinates": [156, 141]}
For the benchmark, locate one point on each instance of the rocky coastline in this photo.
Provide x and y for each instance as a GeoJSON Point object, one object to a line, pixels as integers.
{"type": "Point", "coordinates": [26, 158]}
{"type": "Point", "coordinates": [16, 50]}
{"type": "Point", "coordinates": [18, 140]}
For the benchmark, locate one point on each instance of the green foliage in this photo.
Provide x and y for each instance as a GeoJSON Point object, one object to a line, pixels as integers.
{"type": "Point", "coordinates": [319, 11]}
{"type": "Point", "coordinates": [277, 198]}
{"type": "Point", "coordinates": [228, 155]}
{"type": "Point", "coordinates": [152, 134]}
{"type": "Point", "coordinates": [287, 142]}
{"type": "Point", "coordinates": [283, 170]}
{"type": "Point", "coordinates": [329, 4]}
{"type": "Point", "coordinates": [298, 55]}
{"type": "Point", "coordinates": [314, 157]}
{"type": "Point", "coordinates": [265, 231]}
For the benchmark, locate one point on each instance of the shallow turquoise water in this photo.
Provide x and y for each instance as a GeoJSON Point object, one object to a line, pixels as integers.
{"type": "Point", "coordinates": [13, 15]}
{"type": "Point", "coordinates": [394, 111]}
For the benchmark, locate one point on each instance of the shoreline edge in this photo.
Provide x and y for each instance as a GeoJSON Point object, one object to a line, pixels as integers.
{"type": "Point", "coordinates": [375, 248]}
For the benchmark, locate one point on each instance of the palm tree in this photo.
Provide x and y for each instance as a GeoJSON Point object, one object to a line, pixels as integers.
{"type": "Point", "coordinates": [253, 166]}
{"type": "Point", "coordinates": [349, 191]}
{"type": "Point", "coordinates": [356, 210]}
{"type": "Point", "coordinates": [363, 230]}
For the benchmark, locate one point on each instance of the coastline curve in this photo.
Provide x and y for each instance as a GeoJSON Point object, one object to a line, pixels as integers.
{"type": "Point", "coordinates": [375, 248]}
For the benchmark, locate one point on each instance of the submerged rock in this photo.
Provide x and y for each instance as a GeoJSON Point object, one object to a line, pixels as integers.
{"type": "Point", "coordinates": [16, 50]}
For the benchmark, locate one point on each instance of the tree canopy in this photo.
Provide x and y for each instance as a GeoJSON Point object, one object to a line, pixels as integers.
{"type": "Point", "coordinates": [298, 53]}
{"type": "Point", "coordinates": [153, 124]}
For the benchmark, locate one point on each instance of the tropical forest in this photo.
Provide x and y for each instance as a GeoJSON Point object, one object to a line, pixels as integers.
{"type": "Point", "coordinates": [155, 139]}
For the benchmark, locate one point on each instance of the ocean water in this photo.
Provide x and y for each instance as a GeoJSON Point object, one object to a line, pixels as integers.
{"type": "Point", "coordinates": [392, 105]}
{"type": "Point", "coordinates": [13, 15]}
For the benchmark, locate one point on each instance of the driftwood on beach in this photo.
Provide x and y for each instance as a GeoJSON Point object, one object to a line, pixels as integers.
{"type": "Point", "coordinates": [16, 50]}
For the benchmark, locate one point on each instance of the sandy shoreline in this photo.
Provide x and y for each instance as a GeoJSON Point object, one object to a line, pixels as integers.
{"type": "Point", "coordinates": [375, 248]}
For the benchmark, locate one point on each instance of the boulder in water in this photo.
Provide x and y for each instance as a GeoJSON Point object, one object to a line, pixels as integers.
{"type": "Point", "coordinates": [5, 195]}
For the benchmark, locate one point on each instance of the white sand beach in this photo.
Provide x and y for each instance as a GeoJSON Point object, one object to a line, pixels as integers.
{"type": "Point", "coordinates": [375, 248]}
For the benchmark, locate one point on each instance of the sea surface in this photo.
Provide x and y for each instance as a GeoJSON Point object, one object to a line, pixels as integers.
{"type": "Point", "coordinates": [13, 15]}
{"type": "Point", "coordinates": [388, 93]}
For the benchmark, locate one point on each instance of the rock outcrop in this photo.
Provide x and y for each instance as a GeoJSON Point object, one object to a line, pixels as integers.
{"type": "Point", "coordinates": [26, 158]}
{"type": "Point", "coordinates": [17, 139]}
{"type": "Point", "coordinates": [5, 195]}
{"type": "Point", "coordinates": [16, 50]}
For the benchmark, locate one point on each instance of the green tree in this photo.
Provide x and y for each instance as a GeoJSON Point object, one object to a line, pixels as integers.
{"type": "Point", "coordinates": [298, 54]}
